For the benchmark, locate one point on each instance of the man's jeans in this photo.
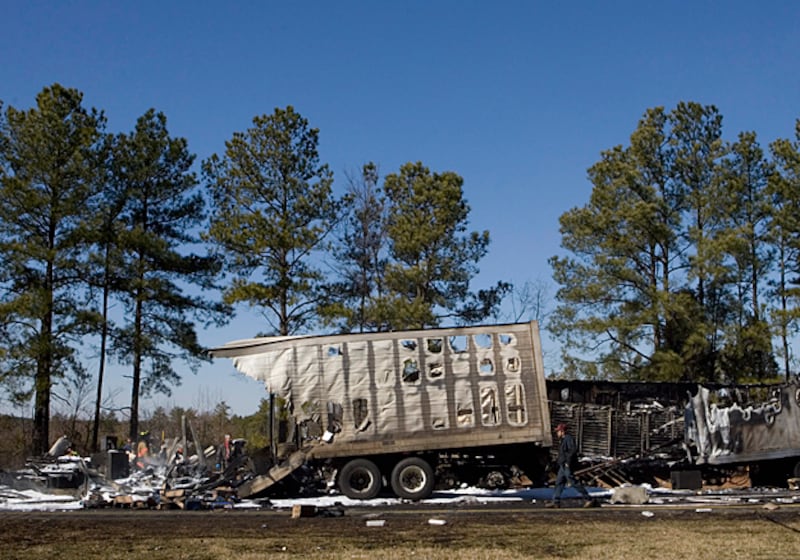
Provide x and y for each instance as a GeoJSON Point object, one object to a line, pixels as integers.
{"type": "Point", "coordinates": [565, 477]}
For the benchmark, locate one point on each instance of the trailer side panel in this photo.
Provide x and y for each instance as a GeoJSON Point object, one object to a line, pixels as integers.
{"type": "Point", "coordinates": [406, 391]}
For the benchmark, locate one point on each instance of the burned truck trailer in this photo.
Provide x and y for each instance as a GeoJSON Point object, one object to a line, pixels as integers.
{"type": "Point", "coordinates": [641, 431]}
{"type": "Point", "coordinates": [408, 407]}
{"type": "Point", "coordinates": [766, 435]}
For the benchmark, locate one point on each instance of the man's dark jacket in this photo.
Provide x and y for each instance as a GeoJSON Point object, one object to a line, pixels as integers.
{"type": "Point", "coordinates": [567, 452]}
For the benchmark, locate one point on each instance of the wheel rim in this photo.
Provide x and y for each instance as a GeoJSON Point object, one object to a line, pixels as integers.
{"type": "Point", "coordinates": [361, 480]}
{"type": "Point", "coordinates": [413, 479]}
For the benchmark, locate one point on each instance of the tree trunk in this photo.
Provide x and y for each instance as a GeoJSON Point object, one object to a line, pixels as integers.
{"type": "Point", "coordinates": [101, 369]}
{"type": "Point", "coordinates": [137, 369]}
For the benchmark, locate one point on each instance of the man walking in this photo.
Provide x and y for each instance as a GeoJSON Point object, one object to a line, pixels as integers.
{"type": "Point", "coordinates": [567, 458]}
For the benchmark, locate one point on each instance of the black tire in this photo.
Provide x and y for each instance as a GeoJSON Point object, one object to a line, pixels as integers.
{"type": "Point", "coordinates": [360, 479]}
{"type": "Point", "coordinates": [413, 479]}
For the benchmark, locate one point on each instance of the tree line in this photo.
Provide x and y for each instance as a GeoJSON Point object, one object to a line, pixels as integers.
{"type": "Point", "coordinates": [93, 221]}
{"type": "Point", "coordinates": [684, 264]}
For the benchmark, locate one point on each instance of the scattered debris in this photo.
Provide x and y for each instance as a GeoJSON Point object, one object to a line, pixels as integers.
{"type": "Point", "coordinates": [303, 511]}
{"type": "Point", "coordinates": [166, 479]}
{"type": "Point", "coordinates": [634, 495]}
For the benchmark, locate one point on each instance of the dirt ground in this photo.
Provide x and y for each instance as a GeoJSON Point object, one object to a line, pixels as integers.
{"type": "Point", "coordinates": [521, 531]}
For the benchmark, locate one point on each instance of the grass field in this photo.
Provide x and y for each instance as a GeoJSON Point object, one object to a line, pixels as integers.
{"type": "Point", "coordinates": [572, 534]}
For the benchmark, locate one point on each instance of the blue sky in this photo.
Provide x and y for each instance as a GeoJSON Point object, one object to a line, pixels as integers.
{"type": "Point", "coordinates": [517, 97]}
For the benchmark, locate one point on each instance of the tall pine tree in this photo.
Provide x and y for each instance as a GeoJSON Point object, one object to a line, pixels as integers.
{"type": "Point", "coordinates": [359, 256]}
{"type": "Point", "coordinates": [163, 212]}
{"type": "Point", "coordinates": [620, 296]}
{"type": "Point", "coordinates": [432, 256]}
{"type": "Point", "coordinates": [273, 209]}
{"type": "Point", "coordinates": [784, 235]}
{"type": "Point", "coordinates": [48, 177]}
{"type": "Point", "coordinates": [645, 288]}
{"type": "Point", "coordinates": [744, 242]}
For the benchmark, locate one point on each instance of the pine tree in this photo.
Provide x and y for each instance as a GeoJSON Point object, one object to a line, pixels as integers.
{"type": "Point", "coordinates": [432, 257]}
{"type": "Point", "coordinates": [744, 240]}
{"type": "Point", "coordinates": [784, 235]}
{"type": "Point", "coordinates": [106, 265]}
{"type": "Point", "coordinates": [273, 209]}
{"type": "Point", "coordinates": [360, 256]}
{"type": "Point", "coordinates": [643, 289]}
{"type": "Point", "coordinates": [619, 289]}
{"type": "Point", "coordinates": [163, 210]}
{"type": "Point", "coordinates": [696, 138]}
{"type": "Point", "coordinates": [48, 178]}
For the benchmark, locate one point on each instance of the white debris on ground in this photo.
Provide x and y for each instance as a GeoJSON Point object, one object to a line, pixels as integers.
{"type": "Point", "coordinates": [30, 500]}
{"type": "Point", "coordinates": [45, 488]}
{"type": "Point", "coordinates": [146, 486]}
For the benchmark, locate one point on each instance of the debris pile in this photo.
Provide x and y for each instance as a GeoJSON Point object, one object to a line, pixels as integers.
{"type": "Point", "coordinates": [140, 478]}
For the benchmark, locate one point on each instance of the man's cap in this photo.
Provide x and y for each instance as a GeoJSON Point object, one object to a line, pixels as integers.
{"type": "Point", "coordinates": [561, 428]}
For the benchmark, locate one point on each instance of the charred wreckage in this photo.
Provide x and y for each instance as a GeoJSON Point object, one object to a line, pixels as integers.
{"type": "Point", "coordinates": [409, 412]}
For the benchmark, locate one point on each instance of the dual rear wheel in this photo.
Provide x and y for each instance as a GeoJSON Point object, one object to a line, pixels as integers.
{"type": "Point", "coordinates": [412, 478]}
